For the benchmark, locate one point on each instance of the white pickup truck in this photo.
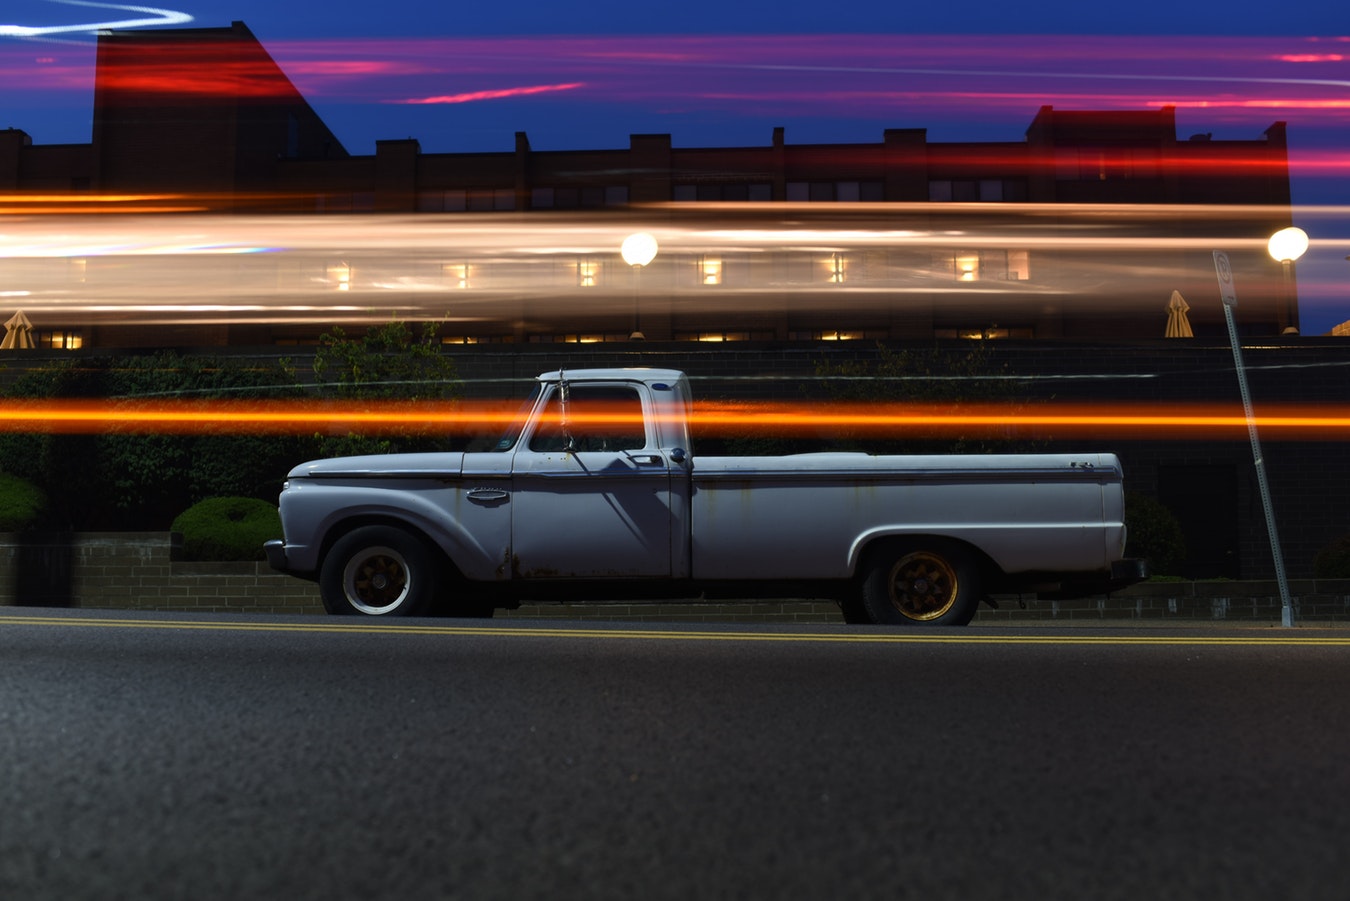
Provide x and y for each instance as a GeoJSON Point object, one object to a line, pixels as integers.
{"type": "Point", "coordinates": [597, 493]}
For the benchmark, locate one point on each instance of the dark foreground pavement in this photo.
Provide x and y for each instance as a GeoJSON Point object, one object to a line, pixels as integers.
{"type": "Point", "coordinates": [177, 756]}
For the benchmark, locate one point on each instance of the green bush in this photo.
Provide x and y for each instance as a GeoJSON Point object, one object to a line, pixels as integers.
{"type": "Point", "coordinates": [1333, 561]}
{"type": "Point", "coordinates": [21, 503]}
{"type": "Point", "coordinates": [227, 528]}
{"type": "Point", "coordinates": [1153, 532]}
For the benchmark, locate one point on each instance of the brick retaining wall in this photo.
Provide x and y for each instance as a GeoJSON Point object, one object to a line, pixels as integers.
{"type": "Point", "coordinates": [136, 571]}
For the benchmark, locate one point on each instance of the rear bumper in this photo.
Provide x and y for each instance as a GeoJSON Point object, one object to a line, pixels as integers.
{"type": "Point", "coordinates": [1124, 573]}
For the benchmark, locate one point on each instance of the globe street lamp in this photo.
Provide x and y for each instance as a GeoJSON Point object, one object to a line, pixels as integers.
{"type": "Point", "coordinates": [1286, 246]}
{"type": "Point", "coordinates": [637, 250]}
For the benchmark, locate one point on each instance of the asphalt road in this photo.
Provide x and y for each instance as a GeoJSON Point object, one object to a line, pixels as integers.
{"type": "Point", "coordinates": [174, 756]}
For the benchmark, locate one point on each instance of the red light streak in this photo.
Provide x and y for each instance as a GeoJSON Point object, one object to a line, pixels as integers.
{"type": "Point", "coordinates": [899, 421]}
{"type": "Point", "coordinates": [500, 94]}
{"type": "Point", "coordinates": [1271, 72]}
{"type": "Point", "coordinates": [202, 69]}
{"type": "Point", "coordinates": [1311, 58]}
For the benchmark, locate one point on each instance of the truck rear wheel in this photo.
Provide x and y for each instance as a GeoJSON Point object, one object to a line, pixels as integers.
{"type": "Point", "coordinates": [931, 585]}
{"type": "Point", "coordinates": [378, 571]}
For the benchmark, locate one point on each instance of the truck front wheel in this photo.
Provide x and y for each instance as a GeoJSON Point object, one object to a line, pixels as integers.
{"type": "Point", "coordinates": [378, 571]}
{"type": "Point", "coordinates": [931, 585]}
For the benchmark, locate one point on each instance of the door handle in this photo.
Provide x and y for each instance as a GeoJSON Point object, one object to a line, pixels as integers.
{"type": "Point", "coordinates": [487, 495]}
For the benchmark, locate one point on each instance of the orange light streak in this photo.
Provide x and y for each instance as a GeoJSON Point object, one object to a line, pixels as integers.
{"type": "Point", "coordinates": [899, 421]}
{"type": "Point", "coordinates": [65, 204]}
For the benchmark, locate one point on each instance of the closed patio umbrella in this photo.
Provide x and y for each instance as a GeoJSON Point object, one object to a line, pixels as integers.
{"type": "Point", "coordinates": [18, 333]}
{"type": "Point", "coordinates": [1178, 326]}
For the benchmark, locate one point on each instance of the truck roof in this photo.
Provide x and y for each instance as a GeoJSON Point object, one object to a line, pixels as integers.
{"type": "Point", "coordinates": [632, 374]}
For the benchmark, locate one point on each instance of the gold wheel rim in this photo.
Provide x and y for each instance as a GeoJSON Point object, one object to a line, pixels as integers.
{"type": "Point", "coordinates": [923, 586]}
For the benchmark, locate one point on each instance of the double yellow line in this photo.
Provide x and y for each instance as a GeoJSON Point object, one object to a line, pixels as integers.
{"type": "Point", "coordinates": [861, 635]}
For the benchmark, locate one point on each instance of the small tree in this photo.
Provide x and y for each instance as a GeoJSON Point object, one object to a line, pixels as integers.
{"type": "Point", "coordinates": [1333, 561]}
{"type": "Point", "coordinates": [391, 362]}
{"type": "Point", "coordinates": [1153, 532]}
{"type": "Point", "coordinates": [943, 378]}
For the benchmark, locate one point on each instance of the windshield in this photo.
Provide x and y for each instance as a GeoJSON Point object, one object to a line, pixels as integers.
{"type": "Point", "coordinates": [508, 438]}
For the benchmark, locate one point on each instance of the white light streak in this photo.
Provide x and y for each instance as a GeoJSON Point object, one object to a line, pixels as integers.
{"type": "Point", "coordinates": [207, 267]}
{"type": "Point", "coordinates": [162, 17]}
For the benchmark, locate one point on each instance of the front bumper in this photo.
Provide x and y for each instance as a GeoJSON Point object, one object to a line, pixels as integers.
{"type": "Point", "coordinates": [276, 554]}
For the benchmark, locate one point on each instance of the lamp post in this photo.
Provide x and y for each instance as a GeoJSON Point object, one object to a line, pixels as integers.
{"type": "Point", "coordinates": [1286, 246]}
{"type": "Point", "coordinates": [638, 250]}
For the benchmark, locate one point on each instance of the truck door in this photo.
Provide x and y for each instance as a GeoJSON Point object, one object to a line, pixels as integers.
{"type": "Point", "coordinates": [591, 489]}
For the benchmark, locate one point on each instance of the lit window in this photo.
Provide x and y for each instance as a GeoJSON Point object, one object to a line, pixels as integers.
{"type": "Point", "coordinates": [458, 275]}
{"type": "Point", "coordinates": [588, 273]}
{"type": "Point", "coordinates": [838, 269]}
{"type": "Point", "coordinates": [60, 340]}
{"type": "Point", "coordinates": [340, 276]}
{"type": "Point", "coordinates": [710, 271]}
{"type": "Point", "coordinates": [1019, 265]}
{"type": "Point", "coordinates": [968, 268]}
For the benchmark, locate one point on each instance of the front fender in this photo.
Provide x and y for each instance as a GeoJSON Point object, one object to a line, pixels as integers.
{"type": "Point", "coordinates": [315, 513]}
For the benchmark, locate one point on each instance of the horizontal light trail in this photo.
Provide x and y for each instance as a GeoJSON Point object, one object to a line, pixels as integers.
{"type": "Point", "coordinates": [125, 267]}
{"type": "Point", "coordinates": [907, 421]}
{"type": "Point", "coordinates": [36, 232]}
{"type": "Point", "coordinates": [868, 635]}
{"type": "Point", "coordinates": [162, 17]}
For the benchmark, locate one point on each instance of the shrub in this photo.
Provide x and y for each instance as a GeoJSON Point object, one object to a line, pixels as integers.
{"type": "Point", "coordinates": [1333, 561]}
{"type": "Point", "coordinates": [1153, 532]}
{"type": "Point", "coordinates": [227, 528]}
{"type": "Point", "coordinates": [21, 503]}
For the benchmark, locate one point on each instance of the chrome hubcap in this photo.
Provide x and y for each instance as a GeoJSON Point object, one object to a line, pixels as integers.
{"type": "Point", "coordinates": [376, 581]}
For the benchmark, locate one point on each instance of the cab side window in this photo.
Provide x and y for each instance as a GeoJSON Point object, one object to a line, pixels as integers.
{"type": "Point", "coordinates": [598, 417]}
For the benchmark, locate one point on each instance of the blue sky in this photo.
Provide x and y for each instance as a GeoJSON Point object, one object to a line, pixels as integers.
{"type": "Point", "coordinates": [466, 76]}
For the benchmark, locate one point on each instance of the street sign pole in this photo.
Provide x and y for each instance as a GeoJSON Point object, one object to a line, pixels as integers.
{"type": "Point", "coordinates": [1229, 295]}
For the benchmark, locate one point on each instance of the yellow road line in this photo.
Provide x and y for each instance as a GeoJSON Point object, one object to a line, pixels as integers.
{"type": "Point", "coordinates": [385, 627]}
